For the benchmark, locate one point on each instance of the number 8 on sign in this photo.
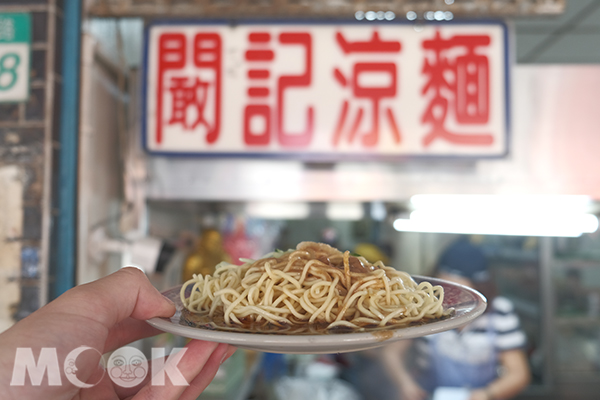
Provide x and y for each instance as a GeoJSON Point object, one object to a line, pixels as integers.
{"type": "Point", "coordinates": [8, 70]}
{"type": "Point", "coordinates": [15, 50]}
{"type": "Point", "coordinates": [14, 72]}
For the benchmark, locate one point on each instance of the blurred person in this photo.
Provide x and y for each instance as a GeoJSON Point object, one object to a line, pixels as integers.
{"type": "Point", "coordinates": [485, 358]}
{"type": "Point", "coordinates": [103, 315]}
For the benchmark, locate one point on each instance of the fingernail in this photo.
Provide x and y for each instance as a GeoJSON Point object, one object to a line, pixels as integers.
{"type": "Point", "coordinates": [135, 266]}
{"type": "Point", "coordinates": [225, 355]}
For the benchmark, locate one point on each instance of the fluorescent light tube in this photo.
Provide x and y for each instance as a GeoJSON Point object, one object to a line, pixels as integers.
{"type": "Point", "coordinates": [348, 211]}
{"type": "Point", "coordinates": [565, 225]}
{"type": "Point", "coordinates": [278, 210]}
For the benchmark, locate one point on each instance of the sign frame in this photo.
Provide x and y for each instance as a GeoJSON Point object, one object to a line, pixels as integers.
{"type": "Point", "coordinates": [327, 157]}
{"type": "Point", "coordinates": [25, 37]}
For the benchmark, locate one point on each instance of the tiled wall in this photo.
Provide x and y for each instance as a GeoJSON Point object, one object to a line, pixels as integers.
{"type": "Point", "coordinates": [29, 142]}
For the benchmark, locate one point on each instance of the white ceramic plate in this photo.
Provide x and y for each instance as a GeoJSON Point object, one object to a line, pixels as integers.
{"type": "Point", "coordinates": [467, 303]}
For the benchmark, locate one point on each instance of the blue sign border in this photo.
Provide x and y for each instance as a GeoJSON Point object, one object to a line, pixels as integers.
{"type": "Point", "coordinates": [324, 157]}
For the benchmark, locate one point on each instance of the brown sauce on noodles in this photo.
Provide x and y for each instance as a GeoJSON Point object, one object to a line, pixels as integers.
{"type": "Point", "coordinates": [216, 322]}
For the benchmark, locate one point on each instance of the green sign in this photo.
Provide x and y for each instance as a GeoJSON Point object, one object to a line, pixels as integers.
{"type": "Point", "coordinates": [15, 50]}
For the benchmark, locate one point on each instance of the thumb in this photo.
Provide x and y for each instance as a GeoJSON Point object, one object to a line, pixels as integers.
{"type": "Point", "coordinates": [125, 293]}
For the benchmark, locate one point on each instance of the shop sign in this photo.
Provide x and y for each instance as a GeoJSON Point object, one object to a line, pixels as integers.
{"type": "Point", "coordinates": [326, 91]}
{"type": "Point", "coordinates": [15, 49]}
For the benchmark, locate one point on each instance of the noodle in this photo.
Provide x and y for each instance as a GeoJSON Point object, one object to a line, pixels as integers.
{"type": "Point", "coordinates": [314, 285]}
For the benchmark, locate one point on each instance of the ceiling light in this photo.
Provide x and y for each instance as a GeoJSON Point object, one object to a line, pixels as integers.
{"type": "Point", "coordinates": [518, 215]}
{"type": "Point", "coordinates": [571, 226]}
{"type": "Point", "coordinates": [347, 211]}
{"type": "Point", "coordinates": [278, 210]}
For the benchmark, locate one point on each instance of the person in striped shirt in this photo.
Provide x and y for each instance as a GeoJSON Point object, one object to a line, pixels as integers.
{"type": "Point", "coordinates": [483, 360]}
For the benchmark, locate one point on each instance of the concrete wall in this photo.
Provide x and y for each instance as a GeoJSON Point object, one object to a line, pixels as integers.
{"type": "Point", "coordinates": [11, 228]}
{"type": "Point", "coordinates": [28, 147]}
{"type": "Point", "coordinates": [100, 180]}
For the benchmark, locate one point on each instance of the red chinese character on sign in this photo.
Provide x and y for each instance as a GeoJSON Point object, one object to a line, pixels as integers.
{"type": "Point", "coordinates": [468, 90]}
{"type": "Point", "coordinates": [184, 96]}
{"type": "Point", "coordinates": [374, 92]}
{"type": "Point", "coordinates": [190, 92]}
{"type": "Point", "coordinates": [259, 56]}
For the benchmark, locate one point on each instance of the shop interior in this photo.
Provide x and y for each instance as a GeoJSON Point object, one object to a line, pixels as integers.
{"type": "Point", "coordinates": [212, 209]}
{"type": "Point", "coordinates": [533, 212]}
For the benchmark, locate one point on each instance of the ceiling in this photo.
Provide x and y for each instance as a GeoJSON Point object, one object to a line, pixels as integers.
{"type": "Point", "coordinates": [573, 37]}
{"type": "Point", "coordinates": [315, 8]}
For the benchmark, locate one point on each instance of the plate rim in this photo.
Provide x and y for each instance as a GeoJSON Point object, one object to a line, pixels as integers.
{"type": "Point", "coordinates": [333, 340]}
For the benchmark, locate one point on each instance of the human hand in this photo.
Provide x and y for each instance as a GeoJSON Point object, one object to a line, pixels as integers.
{"type": "Point", "coordinates": [103, 315]}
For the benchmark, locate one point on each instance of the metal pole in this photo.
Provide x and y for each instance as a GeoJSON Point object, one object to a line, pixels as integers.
{"type": "Point", "coordinates": [548, 310]}
{"type": "Point", "coordinates": [65, 230]}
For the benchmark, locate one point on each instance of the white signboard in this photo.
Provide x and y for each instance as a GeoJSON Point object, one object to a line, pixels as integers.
{"type": "Point", "coordinates": [338, 91]}
{"type": "Point", "coordinates": [15, 48]}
